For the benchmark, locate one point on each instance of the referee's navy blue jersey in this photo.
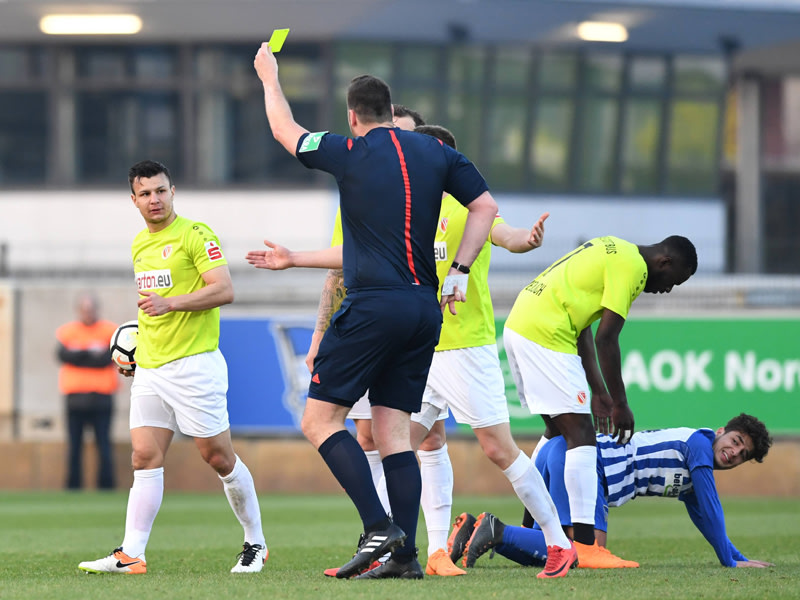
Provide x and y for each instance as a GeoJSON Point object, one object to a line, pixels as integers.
{"type": "Point", "coordinates": [390, 187]}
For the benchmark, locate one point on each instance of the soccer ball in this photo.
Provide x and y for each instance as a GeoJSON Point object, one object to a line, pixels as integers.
{"type": "Point", "coordinates": [123, 345]}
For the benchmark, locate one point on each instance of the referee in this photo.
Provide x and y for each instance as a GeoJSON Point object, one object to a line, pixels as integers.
{"type": "Point", "coordinates": [383, 337]}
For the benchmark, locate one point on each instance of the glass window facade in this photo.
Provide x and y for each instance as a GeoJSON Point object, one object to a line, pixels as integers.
{"type": "Point", "coordinates": [576, 121]}
{"type": "Point", "coordinates": [597, 161]}
{"type": "Point", "coordinates": [551, 144]}
{"type": "Point", "coordinates": [117, 129]}
{"type": "Point", "coordinates": [641, 137]}
{"type": "Point", "coordinates": [23, 137]}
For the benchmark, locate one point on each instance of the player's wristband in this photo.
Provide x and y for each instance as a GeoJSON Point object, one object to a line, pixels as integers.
{"type": "Point", "coordinates": [459, 267]}
{"type": "Point", "coordinates": [453, 281]}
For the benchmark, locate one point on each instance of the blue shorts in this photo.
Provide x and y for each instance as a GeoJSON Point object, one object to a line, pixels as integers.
{"type": "Point", "coordinates": [381, 340]}
{"type": "Point", "coordinates": [550, 462]}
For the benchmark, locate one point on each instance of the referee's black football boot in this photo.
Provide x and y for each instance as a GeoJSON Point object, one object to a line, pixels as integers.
{"type": "Point", "coordinates": [373, 546]}
{"type": "Point", "coordinates": [394, 569]}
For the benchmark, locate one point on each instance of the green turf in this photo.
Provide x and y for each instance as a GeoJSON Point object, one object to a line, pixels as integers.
{"type": "Point", "coordinates": [194, 544]}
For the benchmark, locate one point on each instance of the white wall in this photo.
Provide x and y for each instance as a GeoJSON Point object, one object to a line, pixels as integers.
{"type": "Point", "coordinates": [574, 219]}
{"type": "Point", "coordinates": [94, 229]}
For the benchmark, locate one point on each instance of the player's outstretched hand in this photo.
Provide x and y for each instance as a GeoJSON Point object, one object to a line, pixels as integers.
{"type": "Point", "coordinates": [758, 564]}
{"type": "Point", "coordinates": [274, 258]}
{"type": "Point", "coordinates": [537, 232]}
{"type": "Point", "coordinates": [450, 300]}
{"type": "Point", "coordinates": [602, 405]}
{"type": "Point", "coordinates": [622, 419]}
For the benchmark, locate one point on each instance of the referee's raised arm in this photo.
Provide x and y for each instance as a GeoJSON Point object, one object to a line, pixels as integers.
{"type": "Point", "coordinates": [284, 128]}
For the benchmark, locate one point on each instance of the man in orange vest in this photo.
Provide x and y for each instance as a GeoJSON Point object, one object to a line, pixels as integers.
{"type": "Point", "coordinates": [88, 379]}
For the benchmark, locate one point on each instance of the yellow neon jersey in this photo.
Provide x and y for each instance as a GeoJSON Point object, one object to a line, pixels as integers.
{"type": "Point", "coordinates": [474, 323]}
{"type": "Point", "coordinates": [605, 272]}
{"type": "Point", "coordinates": [170, 262]}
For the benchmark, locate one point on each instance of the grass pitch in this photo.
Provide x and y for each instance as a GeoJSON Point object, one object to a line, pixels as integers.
{"type": "Point", "coordinates": [196, 539]}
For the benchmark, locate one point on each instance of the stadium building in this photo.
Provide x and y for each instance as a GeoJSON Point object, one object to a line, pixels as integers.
{"type": "Point", "coordinates": [640, 118]}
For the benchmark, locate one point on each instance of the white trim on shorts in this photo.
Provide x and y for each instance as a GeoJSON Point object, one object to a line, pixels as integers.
{"type": "Point", "coordinates": [548, 382]}
{"type": "Point", "coordinates": [469, 381]}
{"type": "Point", "coordinates": [186, 395]}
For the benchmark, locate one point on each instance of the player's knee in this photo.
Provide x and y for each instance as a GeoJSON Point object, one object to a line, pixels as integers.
{"type": "Point", "coordinates": [430, 445]}
{"type": "Point", "coordinates": [365, 440]}
{"type": "Point", "coordinates": [499, 453]}
{"type": "Point", "coordinates": [220, 462]}
{"type": "Point", "coordinates": [435, 440]}
{"type": "Point", "coordinates": [310, 429]}
{"type": "Point", "coordinates": [141, 460]}
{"type": "Point", "coordinates": [577, 430]}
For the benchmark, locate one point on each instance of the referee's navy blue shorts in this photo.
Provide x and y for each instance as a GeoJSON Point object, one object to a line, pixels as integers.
{"type": "Point", "coordinates": [381, 340]}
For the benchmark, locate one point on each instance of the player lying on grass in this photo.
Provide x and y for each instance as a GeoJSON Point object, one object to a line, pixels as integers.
{"type": "Point", "coordinates": [672, 463]}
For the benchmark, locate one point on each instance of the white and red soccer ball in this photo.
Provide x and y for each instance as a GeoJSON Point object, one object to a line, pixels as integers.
{"type": "Point", "coordinates": [123, 345]}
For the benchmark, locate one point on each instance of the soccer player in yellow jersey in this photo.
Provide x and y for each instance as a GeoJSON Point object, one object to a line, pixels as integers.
{"type": "Point", "coordinates": [554, 356]}
{"type": "Point", "coordinates": [465, 376]}
{"type": "Point", "coordinates": [181, 378]}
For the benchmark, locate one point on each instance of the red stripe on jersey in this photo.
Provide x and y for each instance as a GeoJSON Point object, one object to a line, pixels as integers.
{"type": "Point", "coordinates": [349, 144]}
{"type": "Point", "coordinates": [407, 185]}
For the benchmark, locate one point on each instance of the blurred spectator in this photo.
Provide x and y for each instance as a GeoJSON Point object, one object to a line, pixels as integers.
{"type": "Point", "coordinates": [87, 378]}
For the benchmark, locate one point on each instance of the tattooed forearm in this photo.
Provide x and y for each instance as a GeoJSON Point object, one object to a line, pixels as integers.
{"type": "Point", "coordinates": [333, 293]}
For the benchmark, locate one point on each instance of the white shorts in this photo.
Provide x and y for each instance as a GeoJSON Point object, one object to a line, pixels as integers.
{"type": "Point", "coordinates": [548, 382]}
{"type": "Point", "coordinates": [361, 409]}
{"type": "Point", "coordinates": [470, 382]}
{"type": "Point", "coordinates": [188, 395]}
{"type": "Point", "coordinates": [426, 416]}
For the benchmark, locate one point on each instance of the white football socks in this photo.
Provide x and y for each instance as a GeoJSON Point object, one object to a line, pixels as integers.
{"type": "Point", "coordinates": [580, 479]}
{"type": "Point", "coordinates": [376, 468]}
{"type": "Point", "coordinates": [530, 488]}
{"type": "Point", "coordinates": [241, 492]}
{"type": "Point", "coordinates": [437, 495]}
{"type": "Point", "coordinates": [144, 501]}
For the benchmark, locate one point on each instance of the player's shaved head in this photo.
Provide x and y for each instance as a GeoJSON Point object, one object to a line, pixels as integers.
{"type": "Point", "coordinates": [682, 249]}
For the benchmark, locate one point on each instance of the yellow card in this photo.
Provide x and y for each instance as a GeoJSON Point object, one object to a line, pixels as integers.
{"type": "Point", "coordinates": [277, 39]}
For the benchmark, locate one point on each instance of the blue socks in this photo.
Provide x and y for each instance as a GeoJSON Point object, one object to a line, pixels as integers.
{"type": "Point", "coordinates": [524, 546]}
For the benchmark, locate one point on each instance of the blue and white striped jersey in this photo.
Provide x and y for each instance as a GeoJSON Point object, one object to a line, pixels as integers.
{"type": "Point", "coordinates": [671, 463]}
{"type": "Point", "coordinates": [654, 463]}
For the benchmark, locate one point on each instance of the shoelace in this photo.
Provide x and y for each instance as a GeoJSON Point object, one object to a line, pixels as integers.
{"type": "Point", "coordinates": [248, 554]}
{"type": "Point", "coordinates": [553, 557]}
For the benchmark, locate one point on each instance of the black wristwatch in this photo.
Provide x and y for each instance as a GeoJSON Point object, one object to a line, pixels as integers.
{"type": "Point", "coordinates": [459, 267]}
